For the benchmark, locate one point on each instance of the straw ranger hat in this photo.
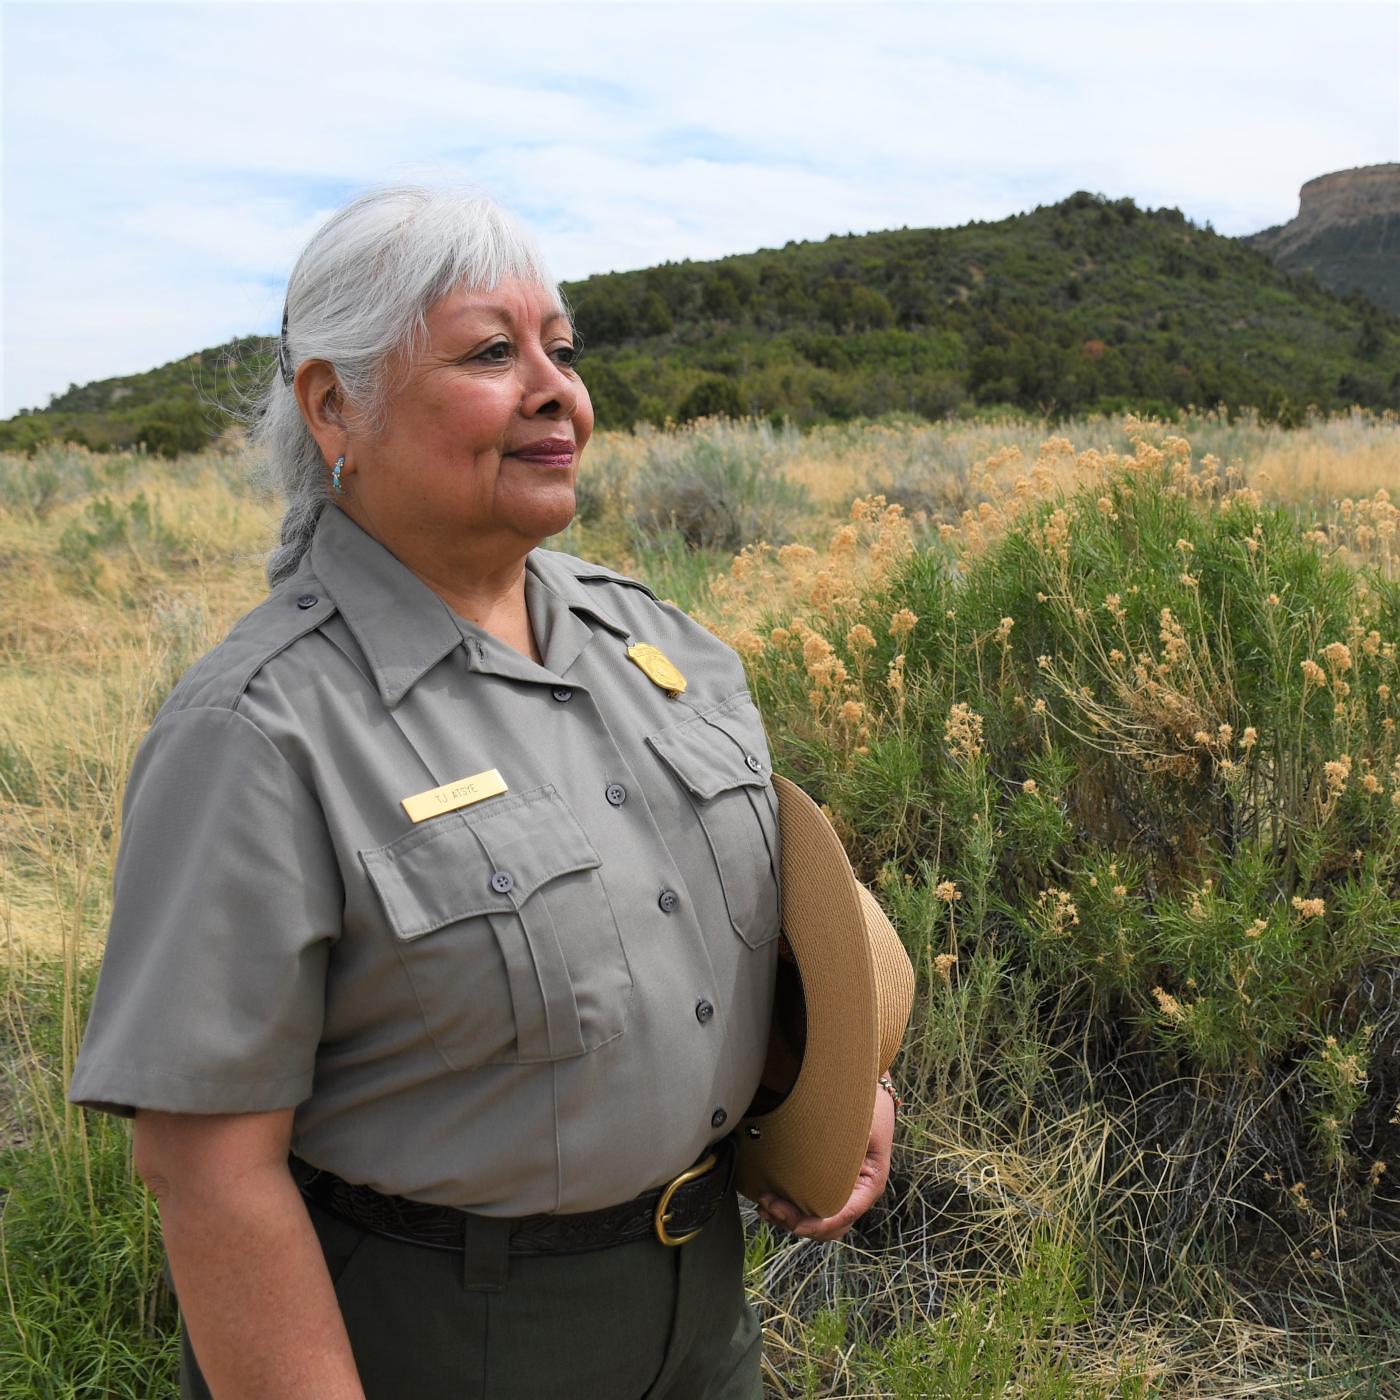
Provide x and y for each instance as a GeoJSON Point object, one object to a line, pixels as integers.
{"type": "Point", "coordinates": [844, 991]}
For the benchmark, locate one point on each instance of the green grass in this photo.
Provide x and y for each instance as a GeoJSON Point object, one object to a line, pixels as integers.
{"type": "Point", "coordinates": [85, 1313]}
{"type": "Point", "coordinates": [1132, 1163]}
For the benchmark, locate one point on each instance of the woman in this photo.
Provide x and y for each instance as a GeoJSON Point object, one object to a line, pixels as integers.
{"type": "Point", "coordinates": [450, 873]}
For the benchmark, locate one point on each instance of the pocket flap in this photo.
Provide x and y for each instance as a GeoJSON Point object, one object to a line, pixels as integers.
{"type": "Point", "coordinates": [443, 871]}
{"type": "Point", "coordinates": [719, 750]}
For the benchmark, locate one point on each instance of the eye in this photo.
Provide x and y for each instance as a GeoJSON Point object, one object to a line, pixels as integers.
{"type": "Point", "coordinates": [568, 355]}
{"type": "Point", "coordinates": [496, 354]}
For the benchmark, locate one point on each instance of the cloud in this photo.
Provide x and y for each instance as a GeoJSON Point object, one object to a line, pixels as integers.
{"type": "Point", "coordinates": [164, 163]}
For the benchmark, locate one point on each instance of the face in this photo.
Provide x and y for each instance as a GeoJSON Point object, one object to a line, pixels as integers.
{"type": "Point", "coordinates": [478, 447]}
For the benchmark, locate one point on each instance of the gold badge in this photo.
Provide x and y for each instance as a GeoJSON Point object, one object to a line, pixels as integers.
{"type": "Point", "coordinates": [450, 796]}
{"type": "Point", "coordinates": [657, 667]}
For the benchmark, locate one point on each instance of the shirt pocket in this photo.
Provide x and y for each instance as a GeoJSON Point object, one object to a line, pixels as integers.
{"type": "Point", "coordinates": [506, 932]}
{"type": "Point", "coordinates": [721, 759]}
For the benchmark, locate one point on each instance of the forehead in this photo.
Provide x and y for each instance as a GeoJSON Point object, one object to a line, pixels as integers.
{"type": "Point", "coordinates": [519, 306]}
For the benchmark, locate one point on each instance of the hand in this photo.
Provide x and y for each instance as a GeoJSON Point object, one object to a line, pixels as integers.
{"type": "Point", "coordinates": [870, 1185]}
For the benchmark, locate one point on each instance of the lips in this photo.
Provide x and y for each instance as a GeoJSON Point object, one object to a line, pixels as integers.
{"type": "Point", "coordinates": [548, 452]}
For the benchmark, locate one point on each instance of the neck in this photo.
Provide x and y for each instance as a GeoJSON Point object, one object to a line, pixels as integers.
{"type": "Point", "coordinates": [481, 580]}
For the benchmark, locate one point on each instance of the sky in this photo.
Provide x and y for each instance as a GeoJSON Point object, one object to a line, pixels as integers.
{"type": "Point", "coordinates": [164, 163]}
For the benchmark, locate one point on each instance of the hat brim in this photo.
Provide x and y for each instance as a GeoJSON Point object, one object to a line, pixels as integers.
{"type": "Point", "coordinates": [809, 1148]}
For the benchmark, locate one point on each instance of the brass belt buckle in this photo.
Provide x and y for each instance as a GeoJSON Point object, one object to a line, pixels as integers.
{"type": "Point", "coordinates": [663, 1215]}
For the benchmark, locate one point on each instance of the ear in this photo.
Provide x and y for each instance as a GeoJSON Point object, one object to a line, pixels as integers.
{"type": "Point", "coordinates": [322, 403]}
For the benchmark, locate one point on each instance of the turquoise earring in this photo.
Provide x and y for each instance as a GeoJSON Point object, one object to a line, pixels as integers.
{"type": "Point", "coordinates": [335, 475]}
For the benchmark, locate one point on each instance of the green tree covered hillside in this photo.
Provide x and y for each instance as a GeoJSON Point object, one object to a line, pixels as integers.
{"type": "Point", "coordinates": [178, 407]}
{"type": "Point", "coordinates": [1089, 304]}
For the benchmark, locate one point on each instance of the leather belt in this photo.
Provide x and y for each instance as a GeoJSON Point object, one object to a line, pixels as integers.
{"type": "Point", "coordinates": [673, 1213]}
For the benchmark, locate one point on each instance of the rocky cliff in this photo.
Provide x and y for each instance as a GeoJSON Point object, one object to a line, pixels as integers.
{"type": "Point", "coordinates": [1346, 233]}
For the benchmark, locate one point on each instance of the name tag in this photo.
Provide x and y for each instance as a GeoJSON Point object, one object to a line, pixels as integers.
{"type": "Point", "coordinates": [450, 796]}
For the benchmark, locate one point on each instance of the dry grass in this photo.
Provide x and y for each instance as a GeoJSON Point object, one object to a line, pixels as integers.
{"type": "Point", "coordinates": [941, 467]}
{"type": "Point", "coordinates": [1014, 1255]}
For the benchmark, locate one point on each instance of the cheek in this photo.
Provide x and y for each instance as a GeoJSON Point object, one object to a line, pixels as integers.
{"type": "Point", "coordinates": [474, 425]}
{"type": "Point", "coordinates": [583, 416]}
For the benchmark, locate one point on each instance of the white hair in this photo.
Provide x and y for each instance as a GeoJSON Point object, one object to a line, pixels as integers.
{"type": "Point", "coordinates": [357, 296]}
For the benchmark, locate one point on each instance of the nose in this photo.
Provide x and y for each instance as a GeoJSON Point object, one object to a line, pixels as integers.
{"type": "Point", "coordinates": [549, 391]}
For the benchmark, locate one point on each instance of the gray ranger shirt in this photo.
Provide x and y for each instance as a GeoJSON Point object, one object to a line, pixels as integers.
{"type": "Point", "coordinates": [548, 999]}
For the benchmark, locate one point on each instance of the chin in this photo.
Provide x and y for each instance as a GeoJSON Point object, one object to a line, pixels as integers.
{"type": "Point", "coordinates": [558, 527]}
{"type": "Point", "coordinates": [549, 517]}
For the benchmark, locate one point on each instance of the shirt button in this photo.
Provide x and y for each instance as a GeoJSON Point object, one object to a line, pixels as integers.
{"type": "Point", "coordinates": [616, 794]}
{"type": "Point", "coordinates": [717, 1118]}
{"type": "Point", "coordinates": [667, 901]}
{"type": "Point", "coordinates": [307, 600]}
{"type": "Point", "coordinates": [753, 763]}
{"type": "Point", "coordinates": [703, 1011]}
{"type": "Point", "coordinates": [563, 694]}
{"type": "Point", "coordinates": [503, 882]}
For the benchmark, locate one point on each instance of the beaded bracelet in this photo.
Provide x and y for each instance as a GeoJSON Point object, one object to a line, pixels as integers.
{"type": "Point", "coordinates": [887, 1084]}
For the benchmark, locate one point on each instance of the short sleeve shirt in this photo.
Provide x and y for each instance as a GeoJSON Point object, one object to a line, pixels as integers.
{"type": "Point", "coordinates": [551, 998]}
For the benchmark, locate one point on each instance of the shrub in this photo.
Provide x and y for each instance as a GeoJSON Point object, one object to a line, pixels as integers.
{"type": "Point", "coordinates": [718, 486]}
{"type": "Point", "coordinates": [52, 474]}
{"type": "Point", "coordinates": [107, 525]}
{"type": "Point", "coordinates": [600, 486]}
{"type": "Point", "coordinates": [715, 396]}
{"type": "Point", "coordinates": [1134, 749]}
{"type": "Point", "coordinates": [171, 427]}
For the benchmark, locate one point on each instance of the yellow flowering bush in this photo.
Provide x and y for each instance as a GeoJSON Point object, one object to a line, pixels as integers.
{"type": "Point", "coordinates": [1135, 739]}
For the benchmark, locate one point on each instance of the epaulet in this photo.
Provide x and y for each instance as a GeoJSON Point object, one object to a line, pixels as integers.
{"type": "Point", "coordinates": [586, 572]}
{"type": "Point", "coordinates": [219, 678]}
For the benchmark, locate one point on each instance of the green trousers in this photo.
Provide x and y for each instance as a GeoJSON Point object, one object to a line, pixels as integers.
{"type": "Point", "coordinates": [635, 1322]}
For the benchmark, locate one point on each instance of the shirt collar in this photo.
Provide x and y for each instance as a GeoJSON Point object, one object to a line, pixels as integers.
{"type": "Point", "coordinates": [401, 625]}
{"type": "Point", "coordinates": [404, 629]}
{"type": "Point", "coordinates": [554, 573]}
